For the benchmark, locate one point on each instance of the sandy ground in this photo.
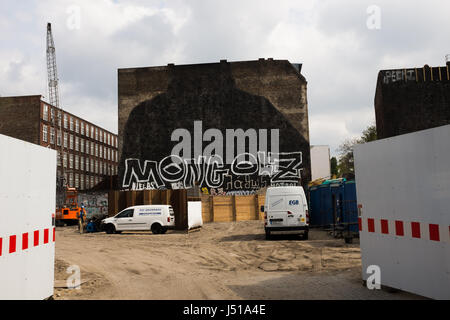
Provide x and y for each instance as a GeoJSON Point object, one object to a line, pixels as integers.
{"type": "Point", "coordinates": [221, 261]}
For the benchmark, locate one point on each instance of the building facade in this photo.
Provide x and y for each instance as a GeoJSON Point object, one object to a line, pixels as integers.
{"type": "Point", "coordinates": [87, 153]}
{"type": "Point", "coordinates": [230, 127]}
{"type": "Point", "coordinates": [412, 99]}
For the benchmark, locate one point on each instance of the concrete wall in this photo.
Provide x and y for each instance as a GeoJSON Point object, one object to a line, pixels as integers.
{"type": "Point", "coordinates": [320, 162]}
{"type": "Point", "coordinates": [264, 94]}
{"type": "Point", "coordinates": [409, 100]}
{"type": "Point", "coordinates": [19, 117]}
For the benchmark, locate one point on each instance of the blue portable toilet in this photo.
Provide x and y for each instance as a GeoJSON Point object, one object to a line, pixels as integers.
{"type": "Point", "coordinates": [350, 206]}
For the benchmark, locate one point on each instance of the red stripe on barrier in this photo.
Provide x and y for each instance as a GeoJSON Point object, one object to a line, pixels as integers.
{"type": "Point", "coordinates": [54, 234]}
{"type": "Point", "coordinates": [434, 232]}
{"type": "Point", "coordinates": [25, 241]}
{"type": "Point", "coordinates": [1, 246]}
{"type": "Point", "coordinates": [415, 229]}
{"type": "Point", "coordinates": [12, 244]}
{"type": "Point", "coordinates": [399, 228]}
{"type": "Point", "coordinates": [36, 238]}
{"type": "Point", "coordinates": [360, 224]}
{"type": "Point", "coordinates": [45, 235]}
{"type": "Point", "coordinates": [371, 225]}
{"type": "Point", "coordinates": [384, 226]}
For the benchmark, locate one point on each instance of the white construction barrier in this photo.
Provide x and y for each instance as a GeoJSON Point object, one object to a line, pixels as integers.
{"type": "Point", "coordinates": [27, 234]}
{"type": "Point", "coordinates": [194, 214]}
{"type": "Point", "coordinates": [403, 192]}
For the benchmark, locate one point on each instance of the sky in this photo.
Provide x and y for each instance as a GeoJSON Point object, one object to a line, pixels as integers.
{"type": "Point", "coordinates": [341, 44]}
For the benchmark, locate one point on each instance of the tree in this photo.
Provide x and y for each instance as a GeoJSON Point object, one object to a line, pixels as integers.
{"type": "Point", "coordinates": [334, 166]}
{"type": "Point", "coordinates": [346, 166]}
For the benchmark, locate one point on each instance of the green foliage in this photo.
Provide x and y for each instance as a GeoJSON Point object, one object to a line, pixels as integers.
{"type": "Point", "coordinates": [334, 166]}
{"type": "Point", "coordinates": [346, 166]}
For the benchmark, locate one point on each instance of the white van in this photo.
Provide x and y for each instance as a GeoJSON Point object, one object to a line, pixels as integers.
{"type": "Point", "coordinates": [286, 209]}
{"type": "Point", "coordinates": [157, 218]}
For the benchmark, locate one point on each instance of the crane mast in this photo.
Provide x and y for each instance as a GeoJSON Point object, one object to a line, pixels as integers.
{"type": "Point", "coordinates": [53, 93]}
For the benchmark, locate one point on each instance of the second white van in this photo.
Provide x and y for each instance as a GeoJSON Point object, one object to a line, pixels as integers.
{"type": "Point", "coordinates": [155, 218]}
{"type": "Point", "coordinates": [286, 209]}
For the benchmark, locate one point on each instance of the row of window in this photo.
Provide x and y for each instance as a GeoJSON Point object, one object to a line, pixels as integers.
{"type": "Point", "coordinates": [78, 126]}
{"type": "Point", "coordinates": [79, 144]}
{"type": "Point", "coordinates": [81, 181]}
{"type": "Point", "coordinates": [76, 162]}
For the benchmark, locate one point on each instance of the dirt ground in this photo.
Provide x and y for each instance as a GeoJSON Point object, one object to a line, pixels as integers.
{"type": "Point", "coordinates": [220, 261]}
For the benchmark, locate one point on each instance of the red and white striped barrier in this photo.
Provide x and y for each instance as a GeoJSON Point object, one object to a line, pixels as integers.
{"type": "Point", "coordinates": [27, 234]}
{"type": "Point", "coordinates": [409, 229]}
{"type": "Point", "coordinates": [26, 241]}
{"type": "Point", "coordinates": [403, 189]}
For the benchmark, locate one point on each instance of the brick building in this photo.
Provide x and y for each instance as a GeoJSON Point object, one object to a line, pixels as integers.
{"type": "Point", "coordinates": [412, 99]}
{"type": "Point", "coordinates": [218, 111]}
{"type": "Point", "coordinates": [89, 153]}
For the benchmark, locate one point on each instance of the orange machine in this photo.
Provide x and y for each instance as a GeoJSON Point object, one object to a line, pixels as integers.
{"type": "Point", "coordinates": [70, 211]}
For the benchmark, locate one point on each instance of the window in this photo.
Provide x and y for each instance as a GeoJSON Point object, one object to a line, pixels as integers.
{"type": "Point", "coordinates": [87, 146]}
{"type": "Point", "coordinates": [77, 126]}
{"type": "Point", "coordinates": [96, 167]}
{"type": "Point", "coordinates": [96, 134]}
{"type": "Point", "coordinates": [100, 169]}
{"type": "Point", "coordinates": [65, 121]}
{"type": "Point", "coordinates": [100, 135]}
{"type": "Point", "coordinates": [59, 118]}
{"type": "Point", "coordinates": [92, 132]}
{"type": "Point", "coordinates": [77, 144]}
{"type": "Point", "coordinates": [52, 135]}
{"type": "Point", "coordinates": [65, 139]}
{"type": "Point", "coordinates": [65, 160]}
{"type": "Point", "coordinates": [82, 145]}
{"type": "Point", "coordinates": [92, 165]}
{"type": "Point", "coordinates": [81, 181]}
{"type": "Point", "coordinates": [87, 165]}
{"type": "Point", "coordinates": [92, 181]}
{"type": "Point", "coordinates": [45, 112]}
{"type": "Point", "coordinates": [101, 152]}
{"type": "Point", "coordinates": [77, 181]}
{"type": "Point", "coordinates": [52, 115]}
{"type": "Point", "coordinates": [82, 163]}
{"type": "Point", "coordinates": [44, 133]}
{"type": "Point", "coordinates": [87, 130]}
{"type": "Point", "coordinates": [71, 180]}
{"type": "Point", "coordinates": [71, 142]}
{"type": "Point", "coordinates": [82, 128]}
{"type": "Point", "coordinates": [128, 213]}
{"type": "Point", "coordinates": [71, 161]}
{"type": "Point", "coordinates": [58, 161]}
{"type": "Point", "coordinates": [104, 153]}
{"type": "Point", "coordinates": [77, 163]}
{"type": "Point", "coordinates": [59, 138]}
{"type": "Point", "coordinates": [92, 148]}
{"type": "Point", "coordinates": [71, 124]}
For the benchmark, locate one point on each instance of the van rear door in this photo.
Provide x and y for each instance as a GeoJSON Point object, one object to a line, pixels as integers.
{"type": "Point", "coordinates": [296, 214]}
{"type": "Point", "coordinates": [276, 211]}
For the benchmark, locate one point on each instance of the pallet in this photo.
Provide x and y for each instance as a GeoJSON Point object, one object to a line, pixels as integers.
{"type": "Point", "coordinates": [194, 229]}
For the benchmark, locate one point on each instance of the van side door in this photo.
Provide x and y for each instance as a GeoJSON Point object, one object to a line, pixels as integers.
{"type": "Point", "coordinates": [125, 220]}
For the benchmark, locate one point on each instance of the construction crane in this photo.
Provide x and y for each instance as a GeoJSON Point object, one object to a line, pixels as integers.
{"type": "Point", "coordinates": [53, 97]}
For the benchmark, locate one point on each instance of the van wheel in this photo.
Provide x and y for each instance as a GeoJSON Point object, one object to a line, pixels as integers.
{"type": "Point", "coordinates": [163, 230]}
{"type": "Point", "coordinates": [110, 229]}
{"type": "Point", "coordinates": [268, 237]}
{"type": "Point", "coordinates": [156, 228]}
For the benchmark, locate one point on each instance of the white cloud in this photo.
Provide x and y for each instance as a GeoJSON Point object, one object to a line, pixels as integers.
{"type": "Point", "coordinates": [340, 56]}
